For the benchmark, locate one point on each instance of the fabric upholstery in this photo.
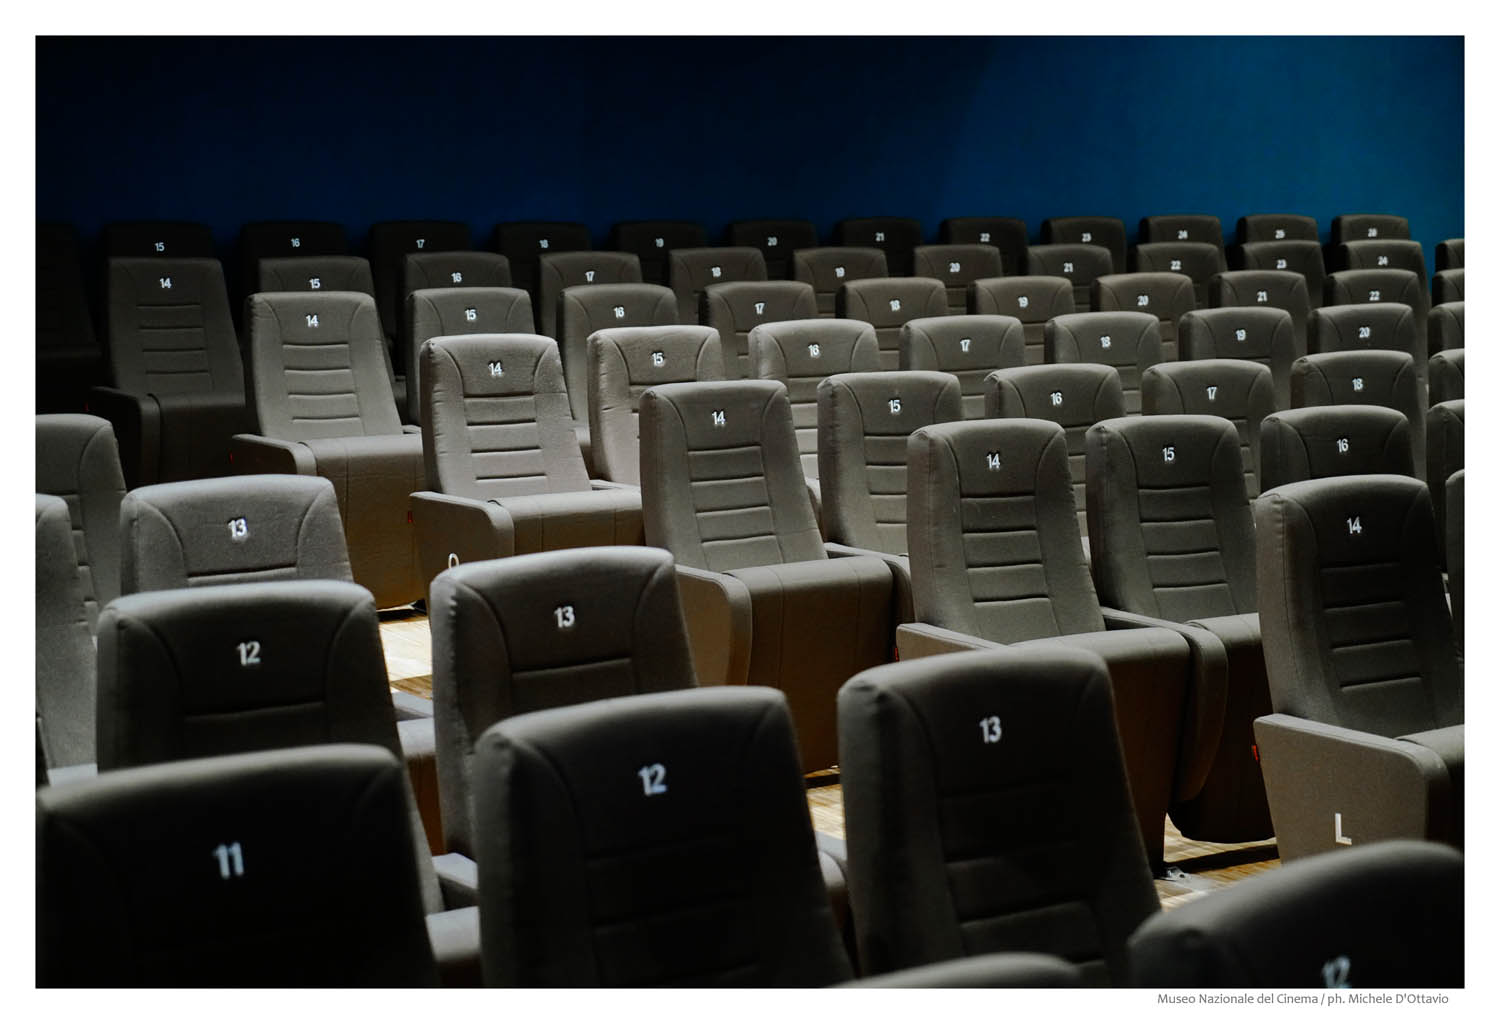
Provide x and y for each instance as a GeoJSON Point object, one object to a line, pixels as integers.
{"type": "Point", "coordinates": [1198, 260]}
{"type": "Point", "coordinates": [1445, 456]}
{"type": "Point", "coordinates": [1278, 289]}
{"type": "Point", "coordinates": [957, 266]}
{"type": "Point", "coordinates": [1448, 285]}
{"type": "Point", "coordinates": [1276, 227]}
{"type": "Point", "coordinates": [776, 240]}
{"type": "Point", "coordinates": [330, 273]}
{"type": "Point", "coordinates": [64, 646]}
{"type": "Point", "coordinates": [584, 309]}
{"type": "Point", "coordinates": [444, 312]}
{"type": "Point", "coordinates": [969, 347]}
{"type": "Point", "coordinates": [557, 271]}
{"type": "Point", "coordinates": [652, 240]}
{"type": "Point", "coordinates": [1166, 296]}
{"type": "Point", "coordinates": [1445, 376]}
{"type": "Point", "coordinates": [1031, 300]}
{"type": "Point", "coordinates": [1008, 234]}
{"type": "Point", "coordinates": [1365, 377]}
{"type": "Point", "coordinates": [388, 243]}
{"type": "Point", "coordinates": [1374, 325]}
{"type": "Point", "coordinates": [1454, 550]}
{"type": "Point", "coordinates": [886, 303]}
{"type": "Point", "coordinates": [737, 308]}
{"type": "Point", "coordinates": [166, 239]}
{"type": "Point", "coordinates": [458, 269]}
{"type": "Point", "coordinates": [1080, 264]}
{"type": "Point", "coordinates": [690, 271]}
{"type": "Point", "coordinates": [1445, 327]}
{"type": "Point", "coordinates": [1350, 226]}
{"type": "Point", "coordinates": [1333, 440]}
{"type": "Point", "coordinates": [1298, 257]}
{"type": "Point", "coordinates": [1181, 227]}
{"type": "Point", "coordinates": [1450, 254]}
{"type": "Point", "coordinates": [895, 236]}
{"type": "Point", "coordinates": [77, 461]}
{"type": "Point", "coordinates": [1349, 287]}
{"type": "Point", "coordinates": [284, 239]}
{"type": "Point", "coordinates": [523, 243]}
{"type": "Point", "coordinates": [1235, 389]}
{"type": "Point", "coordinates": [1128, 341]}
{"type": "Point", "coordinates": [828, 268]}
{"type": "Point", "coordinates": [1106, 231]}
{"type": "Point", "coordinates": [1260, 333]}
{"type": "Point", "coordinates": [1377, 253]}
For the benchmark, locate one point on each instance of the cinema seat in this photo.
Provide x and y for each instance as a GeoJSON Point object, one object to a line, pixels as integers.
{"type": "Point", "coordinates": [1276, 227]}
{"type": "Point", "coordinates": [558, 271]}
{"type": "Point", "coordinates": [737, 308]}
{"type": "Point", "coordinates": [1445, 456]}
{"type": "Point", "coordinates": [894, 236]}
{"type": "Point", "coordinates": [1333, 440]}
{"type": "Point", "coordinates": [1379, 253]}
{"type": "Point", "coordinates": [1445, 327]}
{"type": "Point", "coordinates": [828, 268]}
{"type": "Point", "coordinates": [325, 408]}
{"type": "Point", "coordinates": [1258, 334]}
{"type": "Point", "coordinates": [458, 269]}
{"type": "Point", "coordinates": [1350, 227]}
{"type": "Point", "coordinates": [1082, 265]}
{"type": "Point", "coordinates": [1276, 289]}
{"type": "Point", "coordinates": [1008, 234]}
{"type": "Point", "coordinates": [284, 239]}
{"type": "Point", "coordinates": [1198, 260]}
{"type": "Point", "coordinates": [164, 239]}
{"type": "Point", "coordinates": [968, 347]}
{"type": "Point", "coordinates": [651, 241]}
{"type": "Point", "coordinates": [504, 472]}
{"type": "Point", "coordinates": [1031, 300]}
{"type": "Point", "coordinates": [76, 460]}
{"type": "Point", "coordinates": [1357, 287]}
{"type": "Point", "coordinates": [962, 844]}
{"type": "Point", "coordinates": [723, 490]}
{"type": "Point", "coordinates": [313, 274]}
{"type": "Point", "coordinates": [1454, 550]}
{"type": "Point", "coordinates": [1106, 231]}
{"type": "Point", "coordinates": [957, 266]}
{"type": "Point", "coordinates": [1170, 540]}
{"type": "Point", "coordinates": [1450, 254]}
{"type": "Point", "coordinates": [1238, 390]}
{"type": "Point", "coordinates": [623, 362]}
{"type": "Point", "coordinates": [886, 303]}
{"type": "Point", "coordinates": [64, 646]}
{"type": "Point", "coordinates": [447, 312]}
{"type": "Point", "coordinates": [690, 271]}
{"type": "Point", "coordinates": [1364, 377]}
{"type": "Point", "coordinates": [1130, 342]}
{"type": "Point", "coordinates": [864, 420]}
{"type": "Point", "coordinates": [179, 384]}
{"type": "Point", "coordinates": [1298, 257]}
{"type": "Point", "coordinates": [1448, 285]}
{"type": "Point", "coordinates": [1166, 296]}
{"type": "Point", "coordinates": [69, 359]}
{"type": "Point", "coordinates": [1181, 227]}
{"type": "Point", "coordinates": [776, 240]}
{"type": "Point", "coordinates": [206, 873]}
{"type": "Point", "coordinates": [1387, 916]}
{"type": "Point", "coordinates": [1366, 741]}
{"type": "Point", "coordinates": [388, 244]}
{"type": "Point", "coordinates": [1445, 376]}
{"type": "Point", "coordinates": [524, 243]}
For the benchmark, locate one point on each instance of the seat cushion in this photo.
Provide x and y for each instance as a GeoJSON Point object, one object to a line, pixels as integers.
{"type": "Point", "coordinates": [575, 519]}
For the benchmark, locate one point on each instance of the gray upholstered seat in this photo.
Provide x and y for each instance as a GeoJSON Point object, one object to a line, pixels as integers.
{"type": "Point", "coordinates": [894, 236]}
{"type": "Point", "coordinates": [504, 471]}
{"type": "Point", "coordinates": [1445, 456]}
{"type": "Point", "coordinates": [64, 647]}
{"type": "Point", "coordinates": [996, 559]}
{"type": "Point", "coordinates": [454, 269]}
{"type": "Point", "coordinates": [1198, 260]}
{"type": "Point", "coordinates": [1181, 227]}
{"type": "Point", "coordinates": [969, 347]}
{"type": "Point", "coordinates": [1373, 325]}
{"type": "Point", "coordinates": [69, 359]}
{"type": "Point", "coordinates": [723, 490]}
{"type": "Point", "coordinates": [1356, 287]}
{"type": "Point", "coordinates": [1276, 227]}
{"type": "Point", "coordinates": [957, 266]}
{"type": "Point", "coordinates": [1454, 550]}
{"type": "Point", "coordinates": [737, 308]}
{"type": "Point", "coordinates": [1348, 227]}
{"type": "Point", "coordinates": [1449, 254]}
{"type": "Point", "coordinates": [283, 239]}
{"type": "Point", "coordinates": [776, 240]}
{"type": "Point", "coordinates": [1378, 253]}
{"type": "Point", "coordinates": [651, 241]}
{"type": "Point", "coordinates": [1170, 539]}
{"type": "Point", "coordinates": [887, 303]}
{"type": "Point", "coordinates": [327, 273]}
{"type": "Point", "coordinates": [179, 385]}
{"type": "Point", "coordinates": [1445, 326]}
{"type": "Point", "coordinates": [199, 873]}
{"type": "Point", "coordinates": [864, 420]}
{"type": "Point", "coordinates": [829, 268]}
{"type": "Point", "coordinates": [963, 843]}
{"type": "Point", "coordinates": [690, 271]}
{"type": "Point", "coordinates": [448, 311]}
{"type": "Point", "coordinates": [1448, 285]}
{"type": "Point", "coordinates": [524, 243]}
{"type": "Point", "coordinates": [388, 243]}
{"type": "Point", "coordinates": [1388, 916]}
{"type": "Point", "coordinates": [1081, 264]}
{"type": "Point", "coordinates": [1128, 341]}
{"type": "Point", "coordinates": [1366, 741]}
{"type": "Point", "coordinates": [1167, 296]}
{"type": "Point", "coordinates": [1008, 234]}
{"type": "Point", "coordinates": [1106, 231]}
{"type": "Point", "coordinates": [325, 407]}
{"type": "Point", "coordinates": [1278, 289]}
{"type": "Point", "coordinates": [1031, 300]}
{"type": "Point", "coordinates": [1364, 377]}
{"type": "Point", "coordinates": [156, 239]}
{"type": "Point", "coordinates": [1239, 390]}
{"type": "Point", "coordinates": [76, 460]}
{"type": "Point", "coordinates": [561, 270]}
{"type": "Point", "coordinates": [1445, 376]}
{"type": "Point", "coordinates": [1303, 257]}
{"type": "Point", "coordinates": [1333, 440]}
{"type": "Point", "coordinates": [1263, 334]}
{"type": "Point", "coordinates": [623, 363]}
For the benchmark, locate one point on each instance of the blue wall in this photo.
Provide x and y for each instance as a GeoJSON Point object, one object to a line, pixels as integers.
{"type": "Point", "coordinates": [359, 130]}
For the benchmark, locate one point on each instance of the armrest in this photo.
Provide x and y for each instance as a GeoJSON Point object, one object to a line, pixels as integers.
{"type": "Point", "coordinates": [901, 599]}
{"type": "Point", "coordinates": [716, 608]}
{"type": "Point", "coordinates": [1329, 786]}
{"type": "Point", "coordinates": [458, 876]}
{"type": "Point", "coordinates": [419, 750]}
{"type": "Point", "coordinates": [136, 420]}
{"type": "Point", "coordinates": [919, 640]}
{"type": "Point", "coordinates": [409, 706]}
{"type": "Point", "coordinates": [454, 935]}
{"type": "Point", "coordinates": [992, 970]}
{"type": "Point", "coordinates": [1207, 697]}
{"type": "Point", "coordinates": [411, 428]}
{"type": "Point", "coordinates": [452, 530]}
{"type": "Point", "coordinates": [253, 453]}
{"type": "Point", "coordinates": [610, 485]}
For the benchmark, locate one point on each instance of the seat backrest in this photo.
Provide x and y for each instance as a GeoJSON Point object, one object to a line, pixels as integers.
{"type": "Point", "coordinates": [1075, 396]}
{"type": "Point", "coordinates": [78, 461]}
{"type": "Point", "coordinates": [1008, 234]}
{"type": "Point", "coordinates": [446, 312]}
{"type": "Point", "coordinates": [936, 868]}
{"type": "Point", "coordinates": [1106, 231]}
{"type": "Point", "coordinates": [202, 873]}
{"type": "Point", "coordinates": [1445, 326]}
{"type": "Point", "coordinates": [170, 332]}
{"type": "Point", "coordinates": [1377, 253]}
{"type": "Point", "coordinates": [1237, 389]}
{"type": "Point", "coordinates": [1128, 341]}
{"type": "Point", "coordinates": [1454, 550]}
{"type": "Point", "coordinates": [1353, 619]}
{"type": "Point", "coordinates": [1277, 289]}
{"type": "Point", "coordinates": [521, 634]}
{"type": "Point", "coordinates": [894, 236]}
{"type": "Point", "coordinates": [1170, 534]}
{"type": "Point", "coordinates": [1373, 325]}
{"type": "Point", "coordinates": [285, 239]}
{"type": "Point", "coordinates": [957, 266]}
{"type": "Point", "coordinates": [651, 240]}
{"type": "Point", "coordinates": [737, 308]}
{"type": "Point", "coordinates": [690, 271]}
{"type": "Point", "coordinates": [318, 366]}
{"type": "Point", "coordinates": [1445, 376]}
{"type": "Point", "coordinates": [165, 239]}
{"type": "Point", "coordinates": [389, 242]}
{"type": "Point", "coordinates": [1387, 915]}
{"type": "Point", "coordinates": [560, 270]}
{"type": "Point", "coordinates": [722, 487]}
{"type": "Point", "coordinates": [1261, 334]}
{"type": "Point", "coordinates": [62, 310]}
{"type": "Point", "coordinates": [1449, 254]}
{"type": "Point", "coordinates": [1348, 227]}
{"type": "Point", "coordinates": [240, 529]}
{"type": "Point", "coordinates": [495, 418]}
{"type": "Point", "coordinates": [313, 274]}
{"type": "Point", "coordinates": [800, 354]}
{"type": "Point", "coordinates": [1364, 377]}
{"type": "Point", "coordinates": [623, 363]}
{"type": "Point", "coordinates": [1448, 285]}
{"type": "Point", "coordinates": [1333, 440]}
{"type": "Point", "coordinates": [64, 647]}
{"type": "Point", "coordinates": [457, 269]}
{"type": "Point", "coordinates": [659, 839]}
{"type": "Point", "coordinates": [1276, 227]}
{"type": "Point", "coordinates": [864, 420]}
{"type": "Point", "coordinates": [776, 240]}
{"type": "Point", "coordinates": [584, 309]}
{"type": "Point", "coordinates": [1182, 227]}
{"type": "Point", "coordinates": [1080, 264]}
{"type": "Point", "coordinates": [1031, 300]}
{"type": "Point", "coordinates": [992, 531]}
{"type": "Point", "coordinates": [523, 243]}
{"type": "Point", "coordinates": [968, 347]}
{"type": "Point", "coordinates": [1166, 296]}
{"type": "Point", "coordinates": [1445, 456]}
{"type": "Point", "coordinates": [828, 268]}
{"type": "Point", "coordinates": [1350, 287]}
{"type": "Point", "coordinates": [888, 302]}
{"type": "Point", "coordinates": [1198, 260]}
{"type": "Point", "coordinates": [1298, 257]}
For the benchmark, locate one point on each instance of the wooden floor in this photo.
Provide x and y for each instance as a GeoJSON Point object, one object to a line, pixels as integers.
{"type": "Point", "coordinates": [1193, 867]}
